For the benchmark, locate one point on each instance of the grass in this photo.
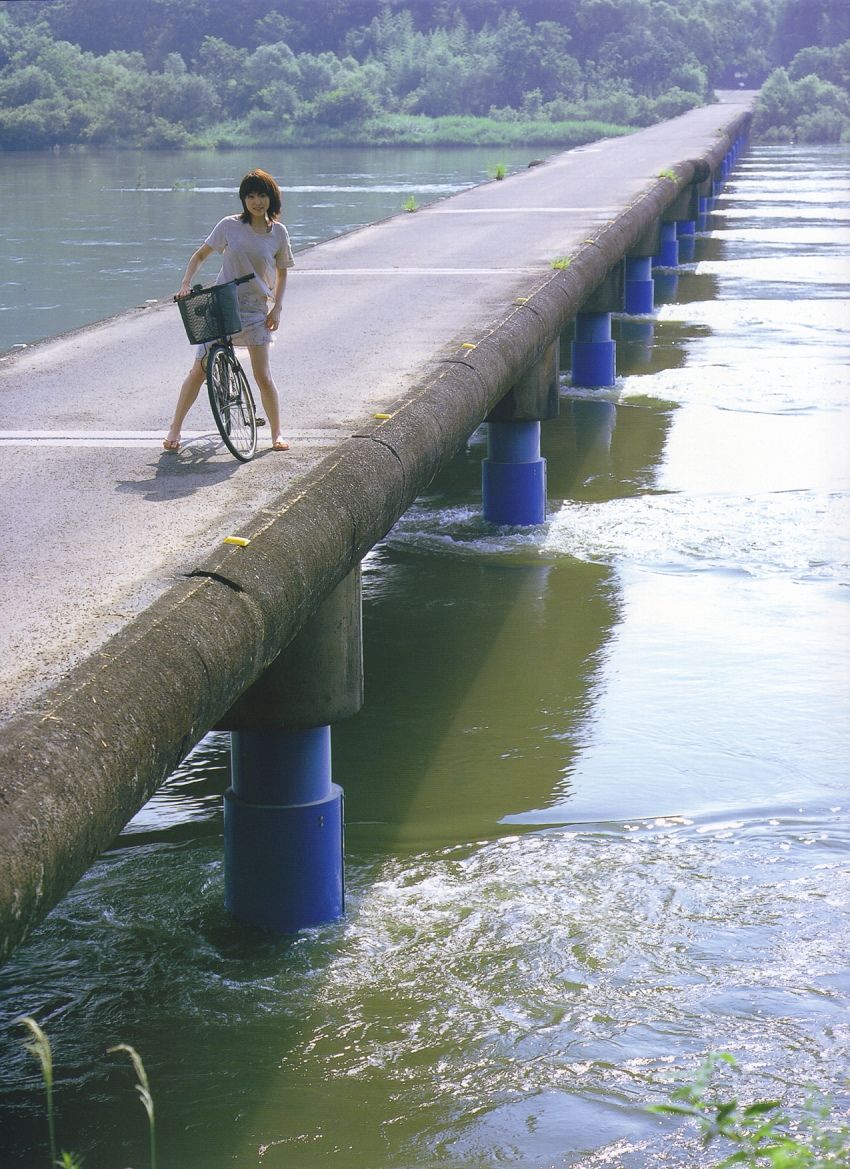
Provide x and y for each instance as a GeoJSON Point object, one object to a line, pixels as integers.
{"type": "Point", "coordinates": [419, 130]}
{"type": "Point", "coordinates": [410, 203]}
{"type": "Point", "coordinates": [39, 1046]}
{"type": "Point", "coordinates": [143, 1088]}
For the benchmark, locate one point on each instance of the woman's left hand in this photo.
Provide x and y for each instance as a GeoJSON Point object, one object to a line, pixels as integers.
{"type": "Point", "coordinates": [273, 319]}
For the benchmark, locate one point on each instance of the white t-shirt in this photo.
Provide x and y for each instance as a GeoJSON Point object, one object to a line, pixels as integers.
{"type": "Point", "coordinates": [244, 251]}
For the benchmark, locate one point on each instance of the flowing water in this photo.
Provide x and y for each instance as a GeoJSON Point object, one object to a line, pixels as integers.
{"type": "Point", "coordinates": [596, 800]}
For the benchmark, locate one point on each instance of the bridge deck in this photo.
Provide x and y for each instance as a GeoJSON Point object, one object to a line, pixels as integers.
{"type": "Point", "coordinates": [98, 520]}
{"type": "Point", "coordinates": [127, 629]}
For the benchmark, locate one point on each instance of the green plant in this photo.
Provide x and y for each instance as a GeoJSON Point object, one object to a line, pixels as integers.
{"type": "Point", "coordinates": [668, 174]}
{"type": "Point", "coordinates": [499, 171]}
{"type": "Point", "coordinates": [411, 204]}
{"type": "Point", "coordinates": [561, 263]}
{"type": "Point", "coordinates": [39, 1046]}
{"type": "Point", "coordinates": [762, 1135]}
{"type": "Point", "coordinates": [143, 1088]}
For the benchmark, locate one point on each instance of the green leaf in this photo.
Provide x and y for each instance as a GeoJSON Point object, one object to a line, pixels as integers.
{"type": "Point", "coordinates": [761, 1106]}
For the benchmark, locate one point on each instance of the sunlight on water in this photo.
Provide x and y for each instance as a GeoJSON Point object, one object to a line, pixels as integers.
{"type": "Point", "coordinates": [805, 534]}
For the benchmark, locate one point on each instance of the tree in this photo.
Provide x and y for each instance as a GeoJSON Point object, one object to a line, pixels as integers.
{"type": "Point", "coordinates": [801, 23]}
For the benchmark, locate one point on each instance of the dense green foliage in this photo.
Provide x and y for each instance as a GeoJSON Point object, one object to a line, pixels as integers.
{"type": "Point", "coordinates": [184, 72]}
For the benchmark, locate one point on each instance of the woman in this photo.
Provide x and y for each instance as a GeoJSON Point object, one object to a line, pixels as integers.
{"type": "Point", "coordinates": [251, 243]}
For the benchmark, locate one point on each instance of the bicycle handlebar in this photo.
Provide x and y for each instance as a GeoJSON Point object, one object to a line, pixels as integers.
{"type": "Point", "coordinates": [200, 287]}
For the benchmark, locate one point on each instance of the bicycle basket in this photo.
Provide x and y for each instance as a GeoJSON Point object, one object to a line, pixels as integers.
{"type": "Point", "coordinates": [210, 313]}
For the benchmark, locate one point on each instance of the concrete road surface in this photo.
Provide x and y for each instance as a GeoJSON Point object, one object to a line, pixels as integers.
{"type": "Point", "coordinates": [98, 521]}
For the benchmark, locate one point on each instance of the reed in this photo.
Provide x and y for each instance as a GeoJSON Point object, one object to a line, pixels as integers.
{"type": "Point", "coordinates": [39, 1046]}
{"type": "Point", "coordinates": [144, 1090]}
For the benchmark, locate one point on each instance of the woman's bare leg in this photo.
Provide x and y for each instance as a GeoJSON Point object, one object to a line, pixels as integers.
{"type": "Point", "coordinates": [188, 393]}
{"type": "Point", "coordinates": [261, 369]}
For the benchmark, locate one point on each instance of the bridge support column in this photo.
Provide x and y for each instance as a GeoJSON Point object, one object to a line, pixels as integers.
{"type": "Point", "coordinates": [283, 831]}
{"type": "Point", "coordinates": [668, 252]}
{"type": "Point", "coordinates": [639, 297]}
{"type": "Point", "coordinates": [513, 476]}
{"type": "Point", "coordinates": [283, 814]}
{"type": "Point", "coordinates": [594, 352]}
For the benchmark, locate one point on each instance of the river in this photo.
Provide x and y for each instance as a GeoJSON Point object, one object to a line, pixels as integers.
{"type": "Point", "coordinates": [596, 800]}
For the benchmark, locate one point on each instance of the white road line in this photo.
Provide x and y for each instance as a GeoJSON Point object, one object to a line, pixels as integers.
{"type": "Point", "coordinates": [138, 438]}
{"type": "Point", "coordinates": [530, 271]}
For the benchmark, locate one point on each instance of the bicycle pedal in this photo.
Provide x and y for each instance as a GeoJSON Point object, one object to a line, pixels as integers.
{"type": "Point", "coordinates": [261, 422]}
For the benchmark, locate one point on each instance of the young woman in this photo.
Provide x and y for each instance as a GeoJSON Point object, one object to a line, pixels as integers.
{"type": "Point", "coordinates": [253, 242]}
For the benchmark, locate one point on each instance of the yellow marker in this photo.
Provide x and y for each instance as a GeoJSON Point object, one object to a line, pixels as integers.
{"type": "Point", "coordinates": [521, 300]}
{"type": "Point", "coordinates": [468, 345]}
{"type": "Point", "coordinates": [239, 541]}
{"type": "Point", "coordinates": [383, 417]}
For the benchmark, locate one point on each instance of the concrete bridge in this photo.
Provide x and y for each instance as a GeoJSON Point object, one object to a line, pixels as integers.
{"type": "Point", "coordinates": [128, 628]}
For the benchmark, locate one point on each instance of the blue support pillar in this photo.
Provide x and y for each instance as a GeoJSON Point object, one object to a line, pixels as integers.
{"type": "Point", "coordinates": [283, 830]}
{"type": "Point", "coordinates": [283, 824]}
{"type": "Point", "coordinates": [513, 476]}
{"type": "Point", "coordinates": [639, 289]}
{"type": "Point", "coordinates": [668, 253]}
{"type": "Point", "coordinates": [594, 353]}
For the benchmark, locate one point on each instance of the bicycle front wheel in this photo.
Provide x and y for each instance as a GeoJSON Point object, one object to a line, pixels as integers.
{"type": "Point", "coordinates": [232, 403]}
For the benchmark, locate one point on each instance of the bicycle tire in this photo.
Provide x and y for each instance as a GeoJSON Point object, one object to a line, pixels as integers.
{"type": "Point", "coordinates": [232, 403]}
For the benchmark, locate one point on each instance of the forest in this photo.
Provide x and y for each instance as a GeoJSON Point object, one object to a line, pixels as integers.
{"type": "Point", "coordinates": [183, 73]}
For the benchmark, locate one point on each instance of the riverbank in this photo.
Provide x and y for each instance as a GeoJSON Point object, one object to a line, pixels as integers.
{"type": "Point", "coordinates": [417, 130]}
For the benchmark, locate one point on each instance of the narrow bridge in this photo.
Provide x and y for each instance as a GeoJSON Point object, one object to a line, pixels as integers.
{"type": "Point", "coordinates": [128, 629]}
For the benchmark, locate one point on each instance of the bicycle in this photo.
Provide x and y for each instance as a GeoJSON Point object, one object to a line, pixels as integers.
{"type": "Point", "coordinates": [211, 316]}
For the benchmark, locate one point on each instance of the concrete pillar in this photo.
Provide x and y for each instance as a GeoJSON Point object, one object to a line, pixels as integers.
{"type": "Point", "coordinates": [668, 252]}
{"type": "Point", "coordinates": [594, 352]}
{"type": "Point", "coordinates": [639, 296]}
{"type": "Point", "coordinates": [283, 819]}
{"type": "Point", "coordinates": [283, 831]}
{"type": "Point", "coordinates": [513, 475]}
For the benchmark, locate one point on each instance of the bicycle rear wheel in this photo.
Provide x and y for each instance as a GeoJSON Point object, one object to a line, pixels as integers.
{"type": "Point", "coordinates": [232, 403]}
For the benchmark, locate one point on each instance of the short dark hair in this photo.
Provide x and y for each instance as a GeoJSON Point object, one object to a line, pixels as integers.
{"type": "Point", "coordinates": [259, 182]}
